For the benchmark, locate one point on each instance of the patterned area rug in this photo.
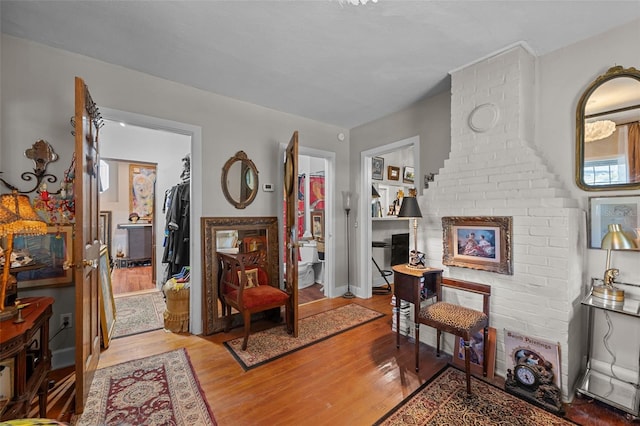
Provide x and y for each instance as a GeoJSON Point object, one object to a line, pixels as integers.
{"type": "Point", "coordinates": [139, 313]}
{"type": "Point", "coordinates": [267, 345]}
{"type": "Point", "coordinates": [444, 401]}
{"type": "Point", "coordinates": [157, 390]}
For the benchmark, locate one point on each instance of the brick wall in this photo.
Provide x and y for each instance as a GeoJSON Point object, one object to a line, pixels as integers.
{"type": "Point", "coordinates": [495, 170]}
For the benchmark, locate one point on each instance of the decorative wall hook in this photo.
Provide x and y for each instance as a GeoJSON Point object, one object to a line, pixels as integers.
{"type": "Point", "coordinates": [41, 152]}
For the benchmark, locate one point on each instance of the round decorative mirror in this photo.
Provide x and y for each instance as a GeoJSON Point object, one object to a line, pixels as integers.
{"type": "Point", "coordinates": [240, 180]}
{"type": "Point", "coordinates": [608, 132]}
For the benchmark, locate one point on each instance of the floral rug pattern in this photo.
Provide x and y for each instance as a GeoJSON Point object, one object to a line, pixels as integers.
{"type": "Point", "coordinates": [156, 390]}
{"type": "Point", "coordinates": [444, 401]}
{"type": "Point", "coordinates": [267, 345]}
{"type": "Point", "coordinates": [139, 313]}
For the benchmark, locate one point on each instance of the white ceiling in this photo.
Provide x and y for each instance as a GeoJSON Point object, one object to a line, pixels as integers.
{"type": "Point", "coordinates": [326, 60]}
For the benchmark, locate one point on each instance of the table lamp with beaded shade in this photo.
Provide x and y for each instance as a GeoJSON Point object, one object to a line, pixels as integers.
{"type": "Point", "coordinates": [17, 216]}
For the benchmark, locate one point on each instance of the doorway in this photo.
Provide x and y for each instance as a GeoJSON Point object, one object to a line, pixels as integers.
{"type": "Point", "coordinates": [180, 139]}
{"type": "Point", "coordinates": [316, 171]}
{"type": "Point", "coordinates": [402, 153]}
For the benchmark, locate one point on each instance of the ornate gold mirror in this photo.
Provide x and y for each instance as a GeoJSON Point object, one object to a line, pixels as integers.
{"type": "Point", "coordinates": [240, 180]}
{"type": "Point", "coordinates": [232, 235]}
{"type": "Point", "coordinates": [608, 132]}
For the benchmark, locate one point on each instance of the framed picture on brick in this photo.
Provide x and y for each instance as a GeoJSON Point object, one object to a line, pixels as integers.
{"type": "Point", "coordinates": [480, 242]}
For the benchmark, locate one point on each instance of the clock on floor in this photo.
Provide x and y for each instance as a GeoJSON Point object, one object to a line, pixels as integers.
{"type": "Point", "coordinates": [532, 379]}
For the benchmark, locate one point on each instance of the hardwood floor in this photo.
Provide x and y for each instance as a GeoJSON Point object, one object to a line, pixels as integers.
{"type": "Point", "coordinates": [350, 379]}
{"type": "Point", "coordinates": [130, 280]}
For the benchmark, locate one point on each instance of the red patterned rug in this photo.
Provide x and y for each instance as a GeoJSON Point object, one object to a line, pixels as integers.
{"type": "Point", "coordinates": [139, 313]}
{"type": "Point", "coordinates": [267, 345]}
{"type": "Point", "coordinates": [156, 390]}
{"type": "Point", "coordinates": [444, 401]}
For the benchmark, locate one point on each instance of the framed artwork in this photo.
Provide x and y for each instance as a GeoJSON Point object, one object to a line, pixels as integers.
{"type": "Point", "coordinates": [393, 173]}
{"type": "Point", "coordinates": [108, 306]}
{"type": "Point", "coordinates": [481, 242]}
{"type": "Point", "coordinates": [377, 168]}
{"type": "Point", "coordinates": [50, 250]}
{"type": "Point", "coordinates": [604, 211]}
{"type": "Point", "coordinates": [477, 353]}
{"type": "Point", "coordinates": [104, 226]}
{"type": "Point", "coordinates": [408, 173]}
{"type": "Point", "coordinates": [317, 224]}
{"type": "Point", "coordinates": [142, 190]}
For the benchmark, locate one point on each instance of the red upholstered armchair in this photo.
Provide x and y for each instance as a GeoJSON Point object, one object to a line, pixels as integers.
{"type": "Point", "coordinates": [244, 285]}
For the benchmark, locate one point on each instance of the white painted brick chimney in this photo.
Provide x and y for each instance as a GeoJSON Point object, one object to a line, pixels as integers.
{"type": "Point", "coordinates": [496, 171]}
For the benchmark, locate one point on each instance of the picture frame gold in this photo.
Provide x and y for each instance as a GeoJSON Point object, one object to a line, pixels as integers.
{"type": "Point", "coordinates": [317, 224]}
{"type": "Point", "coordinates": [50, 250]}
{"type": "Point", "coordinates": [478, 242]}
{"type": "Point", "coordinates": [104, 228]}
{"type": "Point", "coordinates": [393, 173]}
{"type": "Point", "coordinates": [408, 174]}
{"type": "Point", "coordinates": [142, 188]}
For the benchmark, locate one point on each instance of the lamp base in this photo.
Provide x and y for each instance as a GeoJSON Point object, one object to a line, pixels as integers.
{"type": "Point", "coordinates": [608, 295]}
{"type": "Point", "coordinates": [348, 295]}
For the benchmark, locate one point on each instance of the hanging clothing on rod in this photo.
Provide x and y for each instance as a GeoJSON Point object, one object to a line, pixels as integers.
{"type": "Point", "coordinates": [177, 227]}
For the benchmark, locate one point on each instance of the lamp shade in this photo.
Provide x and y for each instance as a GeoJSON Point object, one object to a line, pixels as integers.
{"type": "Point", "coordinates": [27, 220]}
{"type": "Point", "coordinates": [6, 219]}
{"type": "Point", "coordinates": [410, 208]}
{"type": "Point", "coordinates": [348, 200]}
{"type": "Point", "coordinates": [616, 239]}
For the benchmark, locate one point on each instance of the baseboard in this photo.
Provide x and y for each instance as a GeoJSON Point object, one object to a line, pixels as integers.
{"type": "Point", "coordinates": [63, 358]}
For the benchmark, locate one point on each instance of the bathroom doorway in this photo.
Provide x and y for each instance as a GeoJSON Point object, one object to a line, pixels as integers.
{"type": "Point", "coordinates": [315, 224]}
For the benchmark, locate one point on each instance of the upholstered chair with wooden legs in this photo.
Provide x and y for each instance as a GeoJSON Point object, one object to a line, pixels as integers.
{"type": "Point", "coordinates": [459, 320]}
{"type": "Point", "coordinates": [244, 286]}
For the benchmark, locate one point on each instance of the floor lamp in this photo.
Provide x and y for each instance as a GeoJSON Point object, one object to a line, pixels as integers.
{"type": "Point", "coordinates": [19, 218]}
{"type": "Point", "coordinates": [347, 200]}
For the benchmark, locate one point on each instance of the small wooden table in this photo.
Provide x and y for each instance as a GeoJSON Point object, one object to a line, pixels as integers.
{"type": "Point", "coordinates": [408, 284]}
{"type": "Point", "coordinates": [31, 365]}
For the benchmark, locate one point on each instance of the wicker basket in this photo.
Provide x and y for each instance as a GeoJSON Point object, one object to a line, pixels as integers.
{"type": "Point", "coordinates": [176, 317]}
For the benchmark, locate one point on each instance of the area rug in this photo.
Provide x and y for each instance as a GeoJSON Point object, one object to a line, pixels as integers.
{"type": "Point", "coordinates": [444, 401]}
{"type": "Point", "coordinates": [271, 344]}
{"type": "Point", "coordinates": [139, 313]}
{"type": "Point", "coordinates": [157, 390]}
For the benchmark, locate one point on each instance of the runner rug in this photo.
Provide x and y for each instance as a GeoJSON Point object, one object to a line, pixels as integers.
{"type": "Point", "coordinates": [157, 390]}
{"type": "Point", "coordinates": [139, 313]}
{"type": "Point", "coordinates": [267, 345]}
{"type": "Point", "coordinates": [444, 401]}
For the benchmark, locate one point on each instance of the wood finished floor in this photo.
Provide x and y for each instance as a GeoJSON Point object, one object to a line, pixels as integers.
{"type": "Point", "coordinates": [351, 379]}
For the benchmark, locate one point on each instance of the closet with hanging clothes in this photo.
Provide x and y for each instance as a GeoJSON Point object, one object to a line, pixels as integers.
{"type": "Point", "coordinates": [177, 227]}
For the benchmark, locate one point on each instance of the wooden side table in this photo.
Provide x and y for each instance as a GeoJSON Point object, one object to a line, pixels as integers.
{"type": "Point", "coordinates": [414, 286]}
{"type": "Point", "coordinates": [31, 363]}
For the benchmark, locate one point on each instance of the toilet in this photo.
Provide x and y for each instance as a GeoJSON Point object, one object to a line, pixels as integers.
{"type": "Point", "coordinates": [308, 258]}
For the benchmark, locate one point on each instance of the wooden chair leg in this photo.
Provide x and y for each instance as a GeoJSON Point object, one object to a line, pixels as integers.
{"type": "Point", "coordinates": [247, 328]}
{"type": "Point", "coordinates": [467, 364]}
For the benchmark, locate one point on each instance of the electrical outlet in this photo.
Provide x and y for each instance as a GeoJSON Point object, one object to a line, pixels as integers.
{"type": "Point", "coordinates": [65, 320]}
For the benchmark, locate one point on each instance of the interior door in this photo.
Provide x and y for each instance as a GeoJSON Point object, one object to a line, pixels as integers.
{"type": "Point", "coordinates": [86, 250]}
{"type": "Point", "coordinates": [291, 232]}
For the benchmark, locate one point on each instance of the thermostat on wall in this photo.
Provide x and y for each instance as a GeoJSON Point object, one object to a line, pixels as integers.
{"type": "Point", "coordinates": [267, 187]}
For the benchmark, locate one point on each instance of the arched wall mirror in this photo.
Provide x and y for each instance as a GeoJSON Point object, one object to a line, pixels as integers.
{"type": "Point", "coordinates": [232, 235]}
{"type": "Point", "coordinates": [608, 132]}
{"type": "Point", "coordinates": [240, 180]}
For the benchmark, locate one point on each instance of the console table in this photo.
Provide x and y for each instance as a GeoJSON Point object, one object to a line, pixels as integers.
{"type": "Point", "coordinates": [25, 351]}
{"type": "Point", "coordinates": [601, 385]}
{"type": "Point", "coordinates": [413, 285]}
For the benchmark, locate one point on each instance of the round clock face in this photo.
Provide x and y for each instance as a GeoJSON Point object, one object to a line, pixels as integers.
{"type": "Point", "coordinates": [526, 375]}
